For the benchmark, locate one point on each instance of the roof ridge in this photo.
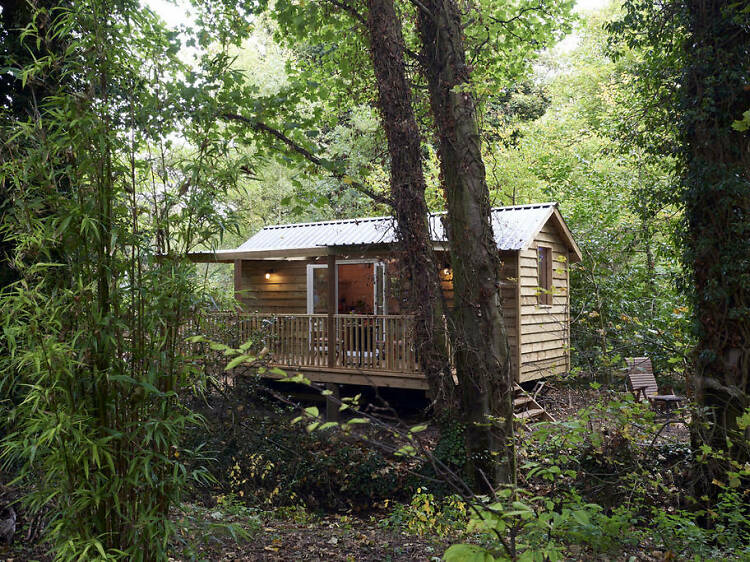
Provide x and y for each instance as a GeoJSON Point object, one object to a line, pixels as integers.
{"type": "Point", "coordinates": [526, 206]}
{"type": "Point", "coordinates": [390, 217]}
{"type": "Point", "coordinates": [327, 222]}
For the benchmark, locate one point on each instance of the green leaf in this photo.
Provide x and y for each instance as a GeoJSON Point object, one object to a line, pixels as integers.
{"type": "Point", "coordinates": [581, 517]}
{"type": "Point", "coordinates": [743, 124]}
{"type": "Point", "coordinates": [467, 553]}
{"type": "Point", "coordinates": [237, 361]}
{"type": "Point", "coordinates": [406, 451]}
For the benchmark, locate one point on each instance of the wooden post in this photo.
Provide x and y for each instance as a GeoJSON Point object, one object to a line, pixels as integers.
{"type": "Point", "coordinates": [237, 279]}
{"type": "Point", "coordinates": [332, 407]}
{"type": "Point", "coordinates": [332, 309]}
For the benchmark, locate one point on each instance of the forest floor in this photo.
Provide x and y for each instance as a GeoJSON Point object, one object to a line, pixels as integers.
{"type": "Point", "coordinates": [232, 531]}
{"type": "Point", "coordinates": [281, 535]}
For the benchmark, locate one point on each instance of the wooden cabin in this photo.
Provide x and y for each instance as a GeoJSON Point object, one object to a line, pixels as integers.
{"type": "Point", "coordinates": [282, 281]}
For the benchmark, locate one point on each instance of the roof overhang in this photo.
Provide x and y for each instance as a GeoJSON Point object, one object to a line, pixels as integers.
{"type": "Point", "coordinates": [230, 256]}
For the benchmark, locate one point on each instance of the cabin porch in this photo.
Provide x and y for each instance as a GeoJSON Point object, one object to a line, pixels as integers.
{"type": "Point", "coordinates": [366, 349]}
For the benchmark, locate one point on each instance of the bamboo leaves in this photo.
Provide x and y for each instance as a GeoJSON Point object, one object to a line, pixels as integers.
{"type": "Point", "coordinates": [102, 205]}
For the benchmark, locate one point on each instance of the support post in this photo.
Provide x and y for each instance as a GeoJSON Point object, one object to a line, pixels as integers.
{"type": "Point", "coordinates": [332, 306]}
{"type": "Point", "coordinates": [238, 279]}
{"type": "Point", "coordinates": [332, 407]}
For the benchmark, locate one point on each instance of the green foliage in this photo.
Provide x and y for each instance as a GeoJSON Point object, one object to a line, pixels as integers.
{"type": "Point", "coordinates": [561, 138]}
{"type": "Point", "coordinates": [323, 97]}
{"type": "Point", "coordinates": [600, 482]}
{"type": "Point", "coordinates": [428, 515]}
{"type": "Point", "coordinates": [692, 72]}
{"type": "Point", "coordinates": [542, 528]}
{"type": "Point", "coordinates": [451, 449]}
{"type": "Point", "coordinates": [103, 205]}
{"type": "Point", "coordinates": [685, 534]}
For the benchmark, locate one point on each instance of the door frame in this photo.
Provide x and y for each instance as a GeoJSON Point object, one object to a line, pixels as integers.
{"type": "Point", "coordinates": [375, 261]}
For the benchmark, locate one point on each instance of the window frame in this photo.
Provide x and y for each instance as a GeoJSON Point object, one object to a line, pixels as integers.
{"type": "Point", "coordinates": [545, 283]}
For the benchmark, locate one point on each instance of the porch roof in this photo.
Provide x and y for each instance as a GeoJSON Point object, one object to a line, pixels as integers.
{"type": "Point", "coordinates": [514, 229]}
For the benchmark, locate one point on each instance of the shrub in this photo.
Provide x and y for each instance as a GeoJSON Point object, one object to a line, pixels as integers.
{"type": "Point", "coordinates": [427, 515]}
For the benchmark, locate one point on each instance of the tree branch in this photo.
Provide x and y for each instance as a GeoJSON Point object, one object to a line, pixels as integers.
{"type": "Point", "coordinates": [423, 8]}
{"type": "Point", "coordinates": [307, 155]}
{"type": "Point", "coordinates": [351, 10]}
{"type": "Point", "coordinates": [521, 12]}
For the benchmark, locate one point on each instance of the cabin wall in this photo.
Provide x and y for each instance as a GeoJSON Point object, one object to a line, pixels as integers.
{"type": "Point", "coordinates": [544, 329]}
{"type": "Point", "coordinates": [284, 293]}
{"type": "Point", "coordinates": [508, 273]}
{"type": "Point", "coordinates": [508, 280]}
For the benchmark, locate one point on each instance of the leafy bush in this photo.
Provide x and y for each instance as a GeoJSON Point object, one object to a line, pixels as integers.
{"type": "Point", "coordinates": [426, 514]}
{"type": "Point", "coordinates": [600, 482]}
{"type": "Point", "coordinates": [450, 450]}
{"type": "Point", "coordinates": [91, 356]}
{"type": "Point", "coordinates": [526, 527]}
{"type": "Point", "coordinates": [686, 534]}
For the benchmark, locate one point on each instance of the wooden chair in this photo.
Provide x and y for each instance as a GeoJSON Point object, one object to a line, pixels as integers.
{"type": "Point", "coordinates": [642, 384]}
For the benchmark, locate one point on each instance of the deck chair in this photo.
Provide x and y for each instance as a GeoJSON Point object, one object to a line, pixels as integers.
{"type": "Point", "coordinates": [642, 383]}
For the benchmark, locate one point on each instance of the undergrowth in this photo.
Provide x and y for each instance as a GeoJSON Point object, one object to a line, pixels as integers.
{"type": "Point", "coordinates": [263, 459]}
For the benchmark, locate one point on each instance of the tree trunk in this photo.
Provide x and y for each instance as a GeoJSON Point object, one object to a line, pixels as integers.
{"type": "Point", "coordinates": [716, 194]}
{"type": "Point", "coordinates": [481, 346]}
{"type": "Point", "coordinates": [408, 195]}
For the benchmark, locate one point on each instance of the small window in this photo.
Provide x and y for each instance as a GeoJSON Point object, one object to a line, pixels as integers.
{"type": "Point", "coordinates": [544, 259]}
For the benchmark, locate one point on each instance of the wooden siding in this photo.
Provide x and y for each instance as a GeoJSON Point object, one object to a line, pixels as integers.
{"type": "Point", "coordinates": [508, 274]}
{"type": "Point", "coordinates": [284, 293]}
{"type": "Point", "coordinates": [544, 329]}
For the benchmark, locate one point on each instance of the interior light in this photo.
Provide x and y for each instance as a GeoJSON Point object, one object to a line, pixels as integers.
{"type": "Point", "coordinates": [446, 271]}
{"type": "Point", "coordinates": [268, 273]}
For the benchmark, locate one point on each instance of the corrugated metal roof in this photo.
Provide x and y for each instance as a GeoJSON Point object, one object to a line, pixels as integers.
{"type": "Point", "coordinates": [513, 227]}
{"type": "Point", "coordinates": [377, 230]}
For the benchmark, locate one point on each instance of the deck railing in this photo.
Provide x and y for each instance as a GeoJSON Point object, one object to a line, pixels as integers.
{"type": "Point", "coordinates": [369, 342]}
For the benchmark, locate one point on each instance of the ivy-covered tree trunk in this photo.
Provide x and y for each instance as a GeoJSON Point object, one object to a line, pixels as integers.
{"type": "Point", "coordinates": [408, 195]}
{"type": "Point", "coordinates": [481, 346]}
{"type": "Point", "coordinates": [716, 194]}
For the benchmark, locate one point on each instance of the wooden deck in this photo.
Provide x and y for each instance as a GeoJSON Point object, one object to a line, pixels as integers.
{"type": "Point", "coordinates": [372, 350]}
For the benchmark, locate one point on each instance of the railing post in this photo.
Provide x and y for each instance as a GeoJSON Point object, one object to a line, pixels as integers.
{"type": "Point", "coordinates": [332, 306]}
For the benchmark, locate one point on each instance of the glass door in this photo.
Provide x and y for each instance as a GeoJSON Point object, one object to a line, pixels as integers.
{"type": "Point", "coordinates": [317, 289]}
{"type": "Point", "coordinates": [317, 303]}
